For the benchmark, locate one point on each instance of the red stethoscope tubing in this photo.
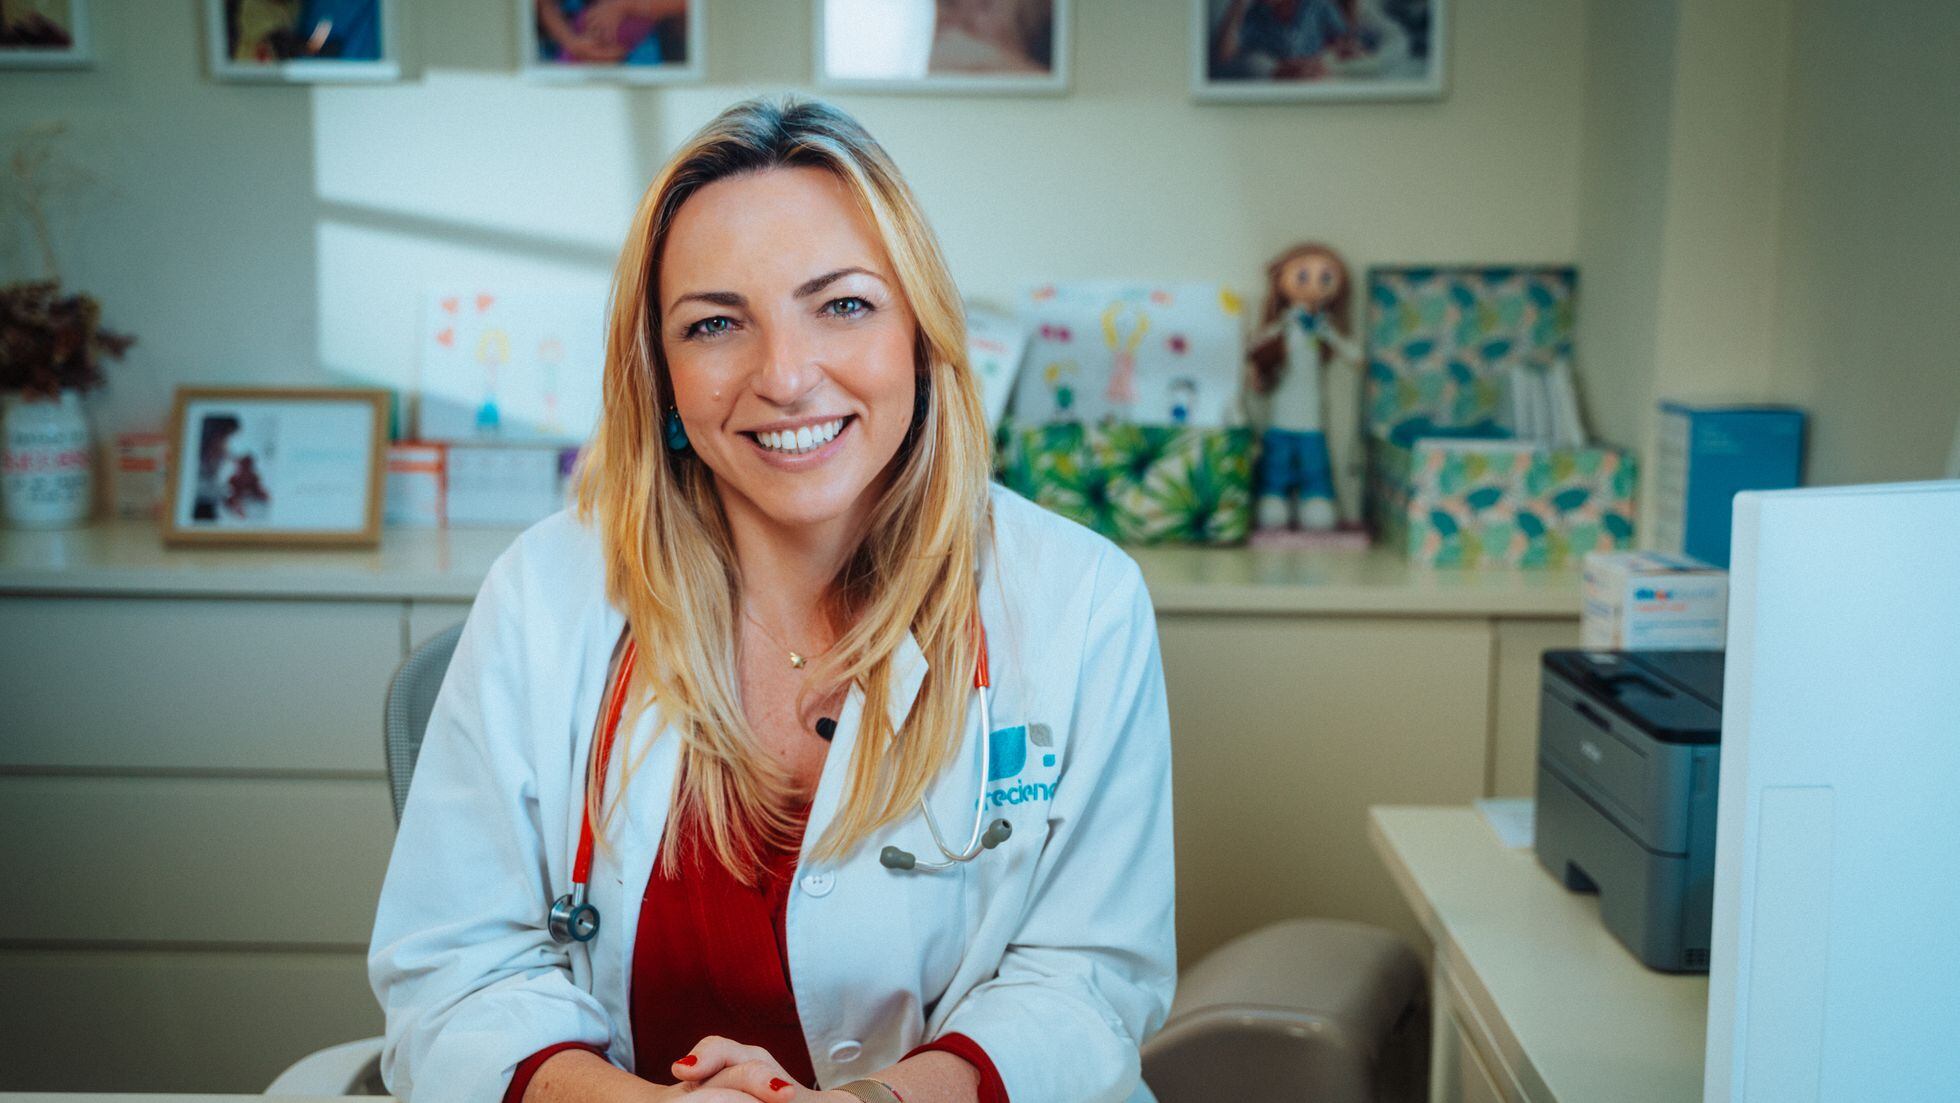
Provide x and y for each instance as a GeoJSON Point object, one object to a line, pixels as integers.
{"type": "Point", "coordinates": [582, 864]}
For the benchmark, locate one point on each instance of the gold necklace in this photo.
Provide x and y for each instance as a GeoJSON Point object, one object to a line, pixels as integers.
{"type": "Point", "coordinates": [796, 660]}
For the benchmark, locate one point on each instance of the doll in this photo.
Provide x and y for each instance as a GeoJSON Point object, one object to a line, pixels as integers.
{"type": "Point", "coordinates": [1305, 329]}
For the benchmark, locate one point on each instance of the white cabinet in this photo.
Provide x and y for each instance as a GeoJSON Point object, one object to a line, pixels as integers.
{"type": "Point", "coordinates": [196, 823]}
{"type": "Point", "coordinates": [196, 684]}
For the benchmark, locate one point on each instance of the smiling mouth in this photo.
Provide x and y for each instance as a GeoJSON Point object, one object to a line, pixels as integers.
{"type": "Point", "coordinates": [807, 438]}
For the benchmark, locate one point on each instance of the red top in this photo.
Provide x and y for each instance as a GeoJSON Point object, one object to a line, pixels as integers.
{"type": "Point", "coordinates": [712, 958]}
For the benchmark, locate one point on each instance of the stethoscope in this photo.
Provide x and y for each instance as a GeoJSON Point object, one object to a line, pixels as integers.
{"type": "Point", "coordinates": [574, 919]}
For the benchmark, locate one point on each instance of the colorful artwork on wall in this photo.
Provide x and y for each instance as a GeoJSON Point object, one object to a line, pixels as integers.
{"type": "Point", "coordinates": [510, 365]}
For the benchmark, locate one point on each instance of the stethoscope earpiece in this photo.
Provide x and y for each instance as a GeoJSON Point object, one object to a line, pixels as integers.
{"type": "Point", "coordinates": [997, 834]}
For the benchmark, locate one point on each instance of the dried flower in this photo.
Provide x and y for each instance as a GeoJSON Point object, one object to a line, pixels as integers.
{"type": "Point", "coordinates": [50, 342]}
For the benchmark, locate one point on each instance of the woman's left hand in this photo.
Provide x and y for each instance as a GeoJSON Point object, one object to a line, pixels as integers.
{"type": "Point", "coordinates": [717, 1062]}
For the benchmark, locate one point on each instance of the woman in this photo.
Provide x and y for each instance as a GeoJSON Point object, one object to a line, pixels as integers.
{"type": "Point", "coordinates": [785, 522]}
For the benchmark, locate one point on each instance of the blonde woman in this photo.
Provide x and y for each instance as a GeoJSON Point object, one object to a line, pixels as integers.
{"type": "Point", "coordinates": [815, 873]}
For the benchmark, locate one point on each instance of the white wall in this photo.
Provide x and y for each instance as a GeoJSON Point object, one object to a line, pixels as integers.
{"type": "Point", "coordinates": [1768, 213]}
{"type": "Point", "coordinates": [1625, 165]}
{"type": "Point", "coordinates": [284, 234]}
{"type": "Point", "coordinates": [1869, 238]}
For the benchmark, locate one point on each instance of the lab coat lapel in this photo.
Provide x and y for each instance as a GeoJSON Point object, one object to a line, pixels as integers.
{"type": "Point", "coordinates": [826, 938]}
{"type": "Point", "coordinates": [908, 675]}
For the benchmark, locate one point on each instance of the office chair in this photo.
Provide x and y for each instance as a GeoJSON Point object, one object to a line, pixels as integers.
{"type": "Point", "coordinates": [354, 1068]}
{"type": "Point", "coordinates": [1320, 1009]}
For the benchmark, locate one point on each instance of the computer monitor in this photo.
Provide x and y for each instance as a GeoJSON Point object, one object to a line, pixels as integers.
{"type": "Point", "coordinates": [1835, 963]}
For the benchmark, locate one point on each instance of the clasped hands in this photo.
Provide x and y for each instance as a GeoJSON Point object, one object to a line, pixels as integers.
{"type": "Point", "coordinates": [720, 1070]}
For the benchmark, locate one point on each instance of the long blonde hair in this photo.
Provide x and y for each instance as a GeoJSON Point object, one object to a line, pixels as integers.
{"type": "Point", "coordinates": [670, 559]}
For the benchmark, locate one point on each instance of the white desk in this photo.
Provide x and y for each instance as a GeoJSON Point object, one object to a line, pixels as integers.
{"type": "Point", "coordinates": [1534, 999]}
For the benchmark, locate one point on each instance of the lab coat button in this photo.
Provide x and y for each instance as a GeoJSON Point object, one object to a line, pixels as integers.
{"type": "Point", "coordinates": [845, 1051]}
{"type": "Point", "coordinates": [817, 884]}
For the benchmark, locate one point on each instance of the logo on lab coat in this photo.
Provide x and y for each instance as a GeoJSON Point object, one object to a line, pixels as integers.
{"type": "Point", "coordinates": [1007, 758]}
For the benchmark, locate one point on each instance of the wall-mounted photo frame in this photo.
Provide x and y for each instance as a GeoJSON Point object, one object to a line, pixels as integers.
{"type": "Point", "coordinates": [1304, 50]}
{"type": "Point", "coordinates": [633, 41]}
{"type": "Point", "coordinates": [957, 46]}
{"type": "Point", "coordinates": [276, 465]}
{"type": "Point", "coordinates": [303, 41]}
{"type": "Point", "coordinates": [44, 34]}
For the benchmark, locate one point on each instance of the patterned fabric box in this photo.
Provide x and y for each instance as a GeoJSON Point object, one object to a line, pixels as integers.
{"type": "Point", "coordinates": [1440, 339]}
{"type": "Point", "coordinates": [1139, 484]}
{"type": "Point", "coordinates": [1442, 483]}
{"type": "Point", "coordinates": [1451, 502]}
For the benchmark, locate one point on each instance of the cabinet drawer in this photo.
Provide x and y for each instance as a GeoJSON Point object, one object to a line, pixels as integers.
{"type": "Point", "coordinates": [196, 685]}
{"type": "Point", "coordinates": [201, 860]}
{"type": "Point", "coordinates": [160, 1021]}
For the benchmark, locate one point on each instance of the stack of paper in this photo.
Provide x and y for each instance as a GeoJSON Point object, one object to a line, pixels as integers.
{"type": "Point", "coordinates": [1541, 405]}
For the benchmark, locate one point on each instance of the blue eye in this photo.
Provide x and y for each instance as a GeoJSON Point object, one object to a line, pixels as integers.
{"type": "Point", "coordinates": [864, 307]}
{"type": "Point", "coordinates": [699, 329]}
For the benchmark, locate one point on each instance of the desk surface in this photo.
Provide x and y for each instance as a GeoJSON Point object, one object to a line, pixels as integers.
{"type": "Point", "coordinates": [1576, 1015]}
{"type": "Point", "coordinates": [129, 558]}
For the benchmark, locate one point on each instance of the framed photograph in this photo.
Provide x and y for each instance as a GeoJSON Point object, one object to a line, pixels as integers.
{"type": "Point", "coordinates": [303, 41]}
{"type": "Point", "coordinates": [1015, 46]}
{"type": "Point", "coordinates": [638, 41]}
{"type": "Point", "coordinates": [276, 466]}
{"type": "Point", "coordinates": [1290, 50]}
{"type": "Point", "coordinates": [44, 34]}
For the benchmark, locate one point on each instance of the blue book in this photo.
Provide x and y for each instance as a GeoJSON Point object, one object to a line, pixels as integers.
{"type": "Point", "coordinates": [1709, 453]}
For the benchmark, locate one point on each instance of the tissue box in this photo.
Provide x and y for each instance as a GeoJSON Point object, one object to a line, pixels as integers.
{"type": "Point", "coordinates": [1470, 502]}
{"type": "Point", "coordinates": [1652, 601]}
{"type": "Point", "coordinates": [1139, 484]}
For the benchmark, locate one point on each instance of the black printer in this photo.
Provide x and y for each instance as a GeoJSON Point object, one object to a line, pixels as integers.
{"type": "Point", "coordinates": [1628, 760]}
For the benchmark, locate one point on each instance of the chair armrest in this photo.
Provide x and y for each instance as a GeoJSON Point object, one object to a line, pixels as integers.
{"type": "Point", "coordinates": [351, 1068]}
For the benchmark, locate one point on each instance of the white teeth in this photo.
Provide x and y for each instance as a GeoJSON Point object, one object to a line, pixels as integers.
{"type": "Point", "coordinates": [797, 441]}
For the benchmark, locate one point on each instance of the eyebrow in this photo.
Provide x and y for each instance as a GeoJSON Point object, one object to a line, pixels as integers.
{"type": "Point", "coordinates": [809, 287]}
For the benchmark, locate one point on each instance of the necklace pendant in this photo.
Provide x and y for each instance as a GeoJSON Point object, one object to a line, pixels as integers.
{"type": "Point", "coordinates": [795, 660]}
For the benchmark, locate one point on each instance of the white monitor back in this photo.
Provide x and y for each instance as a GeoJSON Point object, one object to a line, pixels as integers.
{"type": "Point", "coordinates": [1835, 964]}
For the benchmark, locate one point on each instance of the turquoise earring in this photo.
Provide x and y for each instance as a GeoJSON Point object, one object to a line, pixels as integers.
{"type": "Point", "coordinates": [676, 432]}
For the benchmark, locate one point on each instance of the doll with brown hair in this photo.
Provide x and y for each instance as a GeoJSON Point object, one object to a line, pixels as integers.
{"type": "Point", "coordinates": [1304, 329]}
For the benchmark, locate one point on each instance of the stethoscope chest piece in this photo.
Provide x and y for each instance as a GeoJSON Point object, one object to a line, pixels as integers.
{"type": "Point", "coordinates": [572, 919]}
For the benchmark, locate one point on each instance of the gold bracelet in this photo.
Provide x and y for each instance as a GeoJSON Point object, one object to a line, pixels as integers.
{"type": "Point", "coordinates": [872, 1091]}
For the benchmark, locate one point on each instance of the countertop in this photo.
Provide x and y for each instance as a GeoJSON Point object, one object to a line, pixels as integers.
{"type": "Point", "coordinates": [1574, 1013]}
{"type": "Point", "coordinates": [129, 558]}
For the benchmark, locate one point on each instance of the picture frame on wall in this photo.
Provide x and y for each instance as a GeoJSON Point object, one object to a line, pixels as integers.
{"type": "Point", "coordinates": [44, 34]}
{"type": "Point", "coordinates": [276, 465]}
{"type": "Point", "coordinates": [1306, 50]}
{"type": "Point", "coordinates": [956, 46]}
{"type": "Point", "coordinates": [303, 41]}
{"type": "Point", "coordinates": [633, 41]}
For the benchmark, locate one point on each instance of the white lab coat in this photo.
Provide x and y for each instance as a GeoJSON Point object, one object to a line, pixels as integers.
{"type": "Point", "coordinates": [1055, 953]}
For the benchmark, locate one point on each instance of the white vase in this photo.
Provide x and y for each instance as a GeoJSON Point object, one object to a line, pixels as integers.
{"type": "Point", "coordinates": [47, 463]}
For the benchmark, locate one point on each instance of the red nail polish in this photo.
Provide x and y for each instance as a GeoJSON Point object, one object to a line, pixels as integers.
{"type": "Point", "coordinates": [778, 1084]}
{"type": "Point", "coordinates": [687, 1060]}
